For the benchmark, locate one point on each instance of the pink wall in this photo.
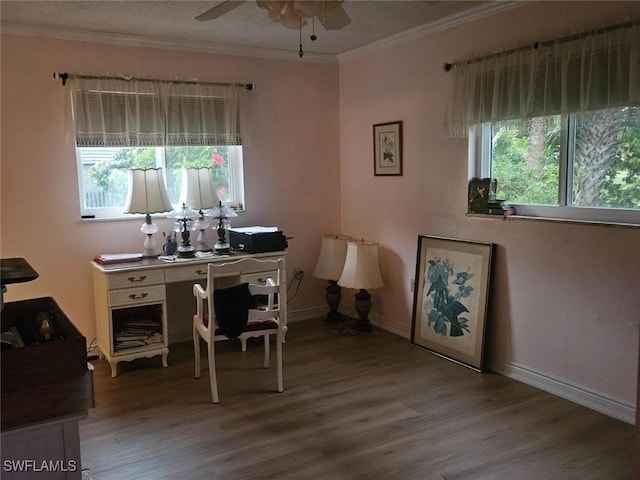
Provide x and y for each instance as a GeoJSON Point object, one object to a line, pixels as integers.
{"type": "Point", "coordinates": [566, 299]}
{"type": "Point", "coordinates": [291, 164]}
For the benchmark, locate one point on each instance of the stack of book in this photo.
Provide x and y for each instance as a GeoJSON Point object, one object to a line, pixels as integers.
{"type": "Point", "coordinates": [111, 258]}
{"type": "Point", "coordinates": [138, 333]}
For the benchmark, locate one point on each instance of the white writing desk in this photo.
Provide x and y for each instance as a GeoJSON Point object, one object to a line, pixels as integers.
{"type": "Point", "coordinates": [131, 302]}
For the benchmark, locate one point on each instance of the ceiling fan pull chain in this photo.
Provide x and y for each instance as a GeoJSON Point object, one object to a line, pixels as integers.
{"type": "Point", "coordinates": [300, 52]}
{"type": "Point", "coordinates": [313, 29]}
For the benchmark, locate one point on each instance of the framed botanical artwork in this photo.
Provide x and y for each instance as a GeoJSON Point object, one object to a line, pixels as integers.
{"type": "Point", "coordinates": [387, 148]}
{"type": "Point", "coordinates": [450, 298]}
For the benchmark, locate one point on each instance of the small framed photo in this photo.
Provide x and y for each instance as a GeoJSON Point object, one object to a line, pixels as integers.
{"type": "Point", "coordinates": [450, 298]}
{"type": "Point", "coordinates": [387, 148]}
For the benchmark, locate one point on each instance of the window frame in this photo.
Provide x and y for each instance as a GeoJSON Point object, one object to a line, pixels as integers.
{"type": "Point", "coordinates": [236, 186]}
{"type": "Point", "coordinates": [480, 157]}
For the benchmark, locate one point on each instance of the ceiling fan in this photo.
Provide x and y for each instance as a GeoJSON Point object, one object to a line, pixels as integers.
{"type": "Point", "coordinates": [290, 13]}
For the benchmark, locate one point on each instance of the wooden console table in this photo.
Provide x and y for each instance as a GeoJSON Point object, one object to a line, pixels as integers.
{"type": "Point", "coordinates": [131, 302]}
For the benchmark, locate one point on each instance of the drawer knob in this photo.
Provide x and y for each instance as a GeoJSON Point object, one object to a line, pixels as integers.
{"type": "Point", "coordinates": [141, 278]}
{"type": "Point", "coordinates": [133, 296]}
{"type": "Point", "coordinates": [201, 272]}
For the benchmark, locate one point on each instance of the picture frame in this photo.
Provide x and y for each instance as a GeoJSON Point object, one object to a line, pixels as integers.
{"type": "Point", "coordinates": [479, 190]}
{"type": "Point", "coordinates": [451, 297]}
{"type": "Point", "coordinates": [387, 149]}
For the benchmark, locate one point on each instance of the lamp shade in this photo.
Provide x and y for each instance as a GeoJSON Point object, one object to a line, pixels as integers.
{"type": "Point", "coordinates": [198, 190]}
{"type": "Point", "coordinates": [361, 266]}
{"type": "Point", "coordinates": [147, 192]}
{"type": "Point", "coordinates": [333, 252]}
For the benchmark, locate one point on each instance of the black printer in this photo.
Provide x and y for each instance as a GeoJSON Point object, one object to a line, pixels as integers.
{"type": "Point", "coordinates": [257, 239]}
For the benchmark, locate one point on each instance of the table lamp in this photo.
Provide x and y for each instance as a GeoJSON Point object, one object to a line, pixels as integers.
{"type": "Point", "coordinates": [183, 226]}
{"type": "Point", "coordinates": [362, 271]}
{"type": "Point", "coordinates": [147, 194]}
{"type": "Point", "coordinates": [333, 252]}
{"type": "Point", "coordinates": [199, 192]}
{"type": "Point", "coordinates": [221, 213]}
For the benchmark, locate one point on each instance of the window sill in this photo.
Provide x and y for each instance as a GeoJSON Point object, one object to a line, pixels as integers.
{"type": "Point", "coordinates": [553, 220]}
{"type": "Point", "coordinates": [138, 217]}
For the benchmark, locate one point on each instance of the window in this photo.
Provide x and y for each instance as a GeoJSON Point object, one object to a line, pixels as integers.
{"type": "Point", "coordinates": [119, 123]}
{"type": "Point", "coordinates": [102, 173]}
{"type": "Point", "coordinates": [557, 124]}
{"type": "Point", "coordinates": [582, 166]}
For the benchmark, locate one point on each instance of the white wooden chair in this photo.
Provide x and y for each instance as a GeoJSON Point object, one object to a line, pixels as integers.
{"type": "Point", "coordinates": [226, 285]}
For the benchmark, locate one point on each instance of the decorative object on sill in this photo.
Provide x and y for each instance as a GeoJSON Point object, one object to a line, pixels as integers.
{"type": "Point", "coordinates": [450, 298]}
{"type": "Point", "coordinates": [147, 194]}
{"type": "Point", "coordinates": [479, 195]}
{"type": "Point", "coordinates": [387, 149]}
{"type": "Point", "coordinates": [362, 271]}
{"type": "Point", "coordinates": [292, 14]}
{"type": "Point", "coordinates": [494, 206]}
{"type": "Point", "coordinates": [199, 192]}
{"type": "Point", "coordinates": [333, 253]}
{"type": "Point", "coordinates": [184, 226]}
{"type": "Point", "coordinates": [221, 213]}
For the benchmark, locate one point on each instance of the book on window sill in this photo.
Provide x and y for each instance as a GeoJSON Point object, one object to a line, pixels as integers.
{"type": "Point", "coordinates": [111, 258]}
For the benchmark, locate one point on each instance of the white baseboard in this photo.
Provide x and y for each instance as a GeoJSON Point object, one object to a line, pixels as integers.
{"type": "Point", "coordinates": [581, 396]}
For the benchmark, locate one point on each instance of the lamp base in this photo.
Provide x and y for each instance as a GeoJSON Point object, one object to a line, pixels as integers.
{"type": "Point", "coordinates": [333, 298]}
{"type": "Point", "coordinates": [186, 251]}
{"type": "Point", "coordinates": [201, 242]}
{"type": "Point", "coordinates": [149, 247]}
{"type": "Point", "coordinates": [363, 307]}
{"type": "Point", "coordinates": [222, 248]}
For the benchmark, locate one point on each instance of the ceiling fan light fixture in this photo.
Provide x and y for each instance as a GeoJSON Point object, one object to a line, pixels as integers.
{"type": "Point", "coordinates": [314, 8]}
{"type": "Point", "coordinates": [291, 14]}
{"type": "Point", "coordinates": [291, 19]}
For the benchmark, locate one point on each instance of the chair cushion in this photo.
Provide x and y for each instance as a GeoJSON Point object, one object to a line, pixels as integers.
{"type": "Point", "coordinates": [255, 325]}
{"type": "Point", "coordinates": [232, 306]}
{"type": "Point", "coordinates": [263, 324]}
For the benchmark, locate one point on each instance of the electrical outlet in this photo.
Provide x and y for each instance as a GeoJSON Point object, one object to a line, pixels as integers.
{"type": "Point", "coordinates": [297, 272]}
{"type": "Point", "coordinates": [412, 286]}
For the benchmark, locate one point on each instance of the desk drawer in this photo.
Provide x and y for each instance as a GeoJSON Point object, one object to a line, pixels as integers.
{"type": "Point", "coordinates": [132, 296]}
{"type": "Point", "coordinates": [136, 279]}
{"type": "Point", "coordinates": [259, 278]}
{"type": "Point", "coordinates": [187, 272]}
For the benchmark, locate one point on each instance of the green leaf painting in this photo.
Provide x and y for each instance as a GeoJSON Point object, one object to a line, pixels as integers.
{"type": "Point", "coordinates": [445, 298]}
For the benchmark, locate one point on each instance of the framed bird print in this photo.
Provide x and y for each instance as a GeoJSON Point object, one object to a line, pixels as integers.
{"type": "Point", "coordinates": [387, 149]}
{"type": "Point", "coordinates": [450, 298]}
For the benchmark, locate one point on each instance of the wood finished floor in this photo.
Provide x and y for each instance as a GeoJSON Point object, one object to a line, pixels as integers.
{"type": "Point", "coordinates": [354, 407]}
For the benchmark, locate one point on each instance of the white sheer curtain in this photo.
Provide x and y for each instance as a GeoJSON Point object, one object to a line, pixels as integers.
{"type": "Point", "coordinates": [593, 71]}
{"type": "Point", "coordinates": [114, 112]}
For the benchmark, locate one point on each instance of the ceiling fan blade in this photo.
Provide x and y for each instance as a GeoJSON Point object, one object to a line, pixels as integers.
{"type": "Point", "coordinates": [219, 10]}
{"type": "Point", "coordinates": [334, 19]}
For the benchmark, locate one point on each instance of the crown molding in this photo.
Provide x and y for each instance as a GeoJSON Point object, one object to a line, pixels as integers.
{"type": "Point", "coordinates": [140, 41]}
{"type": "Point", "coordinates": [169, 44]}
{"type": "Point", "coordinates": [432, 27]}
